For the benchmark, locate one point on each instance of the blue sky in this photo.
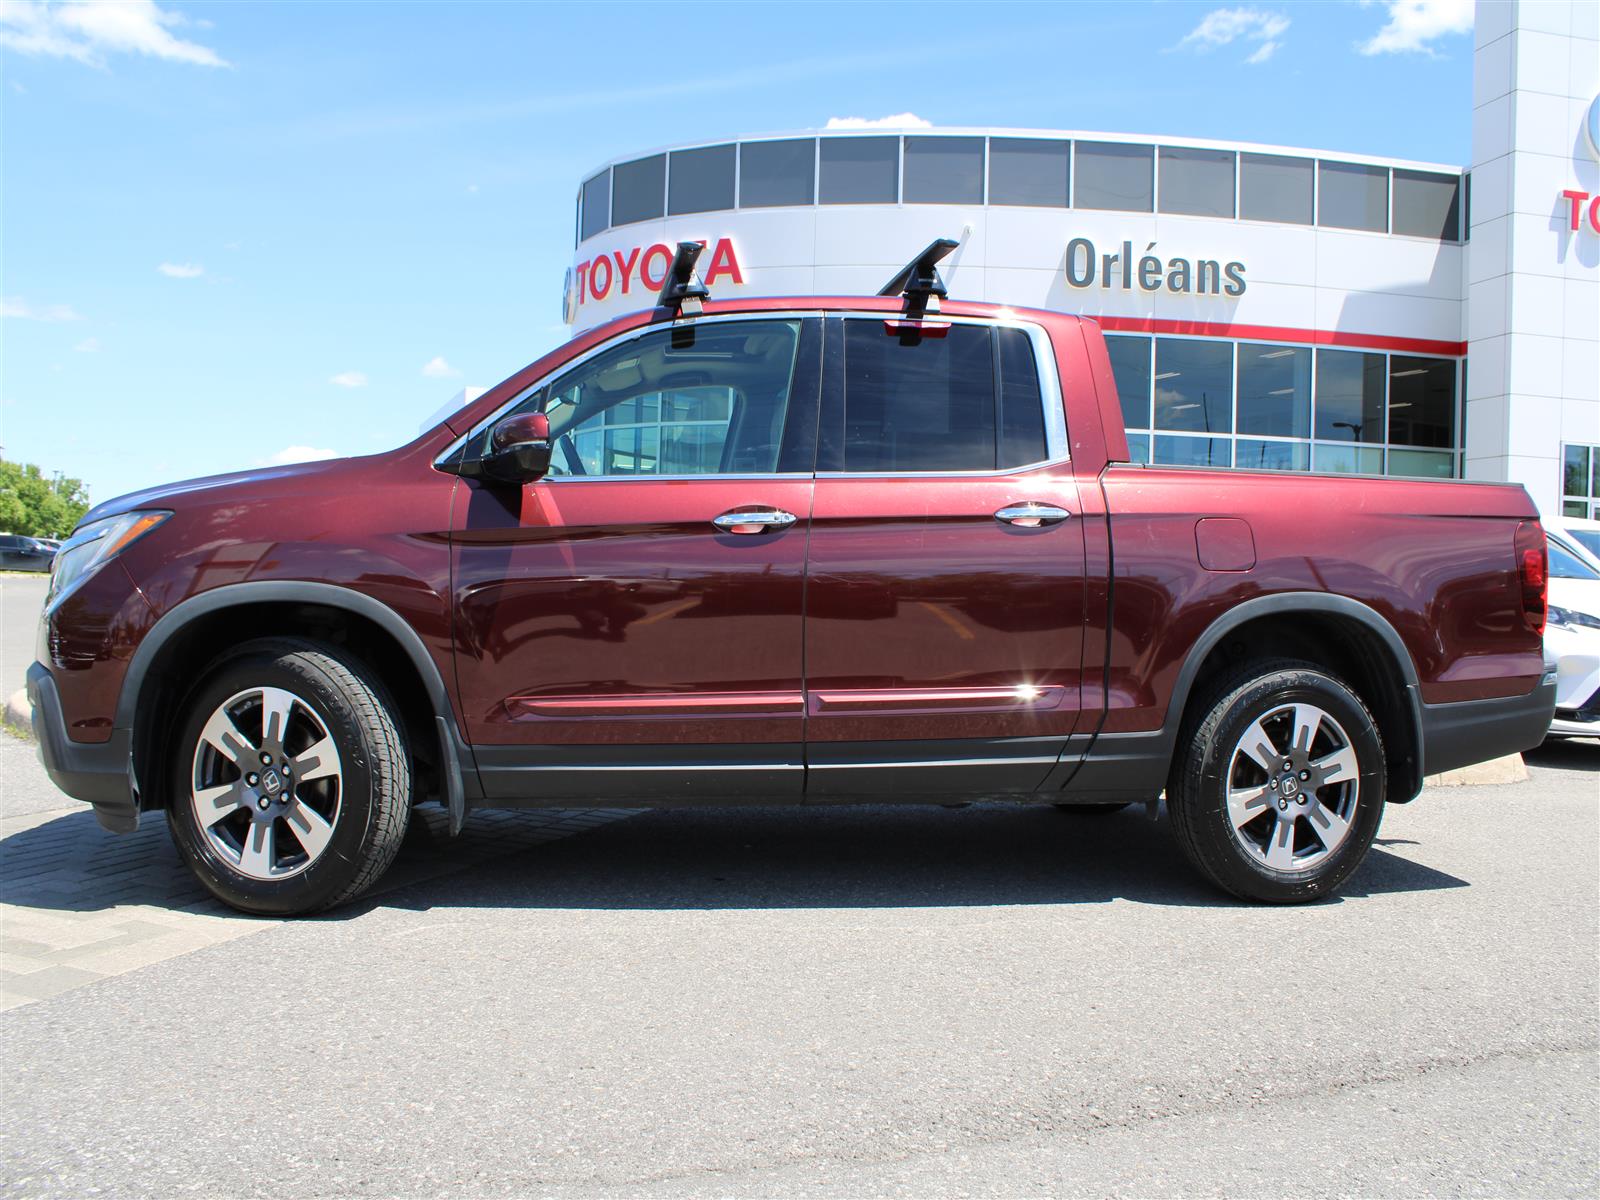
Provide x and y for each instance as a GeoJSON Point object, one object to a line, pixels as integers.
{"type": "Point", "coordinates": [234, 229]}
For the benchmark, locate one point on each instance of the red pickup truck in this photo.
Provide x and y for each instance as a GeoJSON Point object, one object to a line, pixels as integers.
{"type": "Point", "coordinates": [815, 551]}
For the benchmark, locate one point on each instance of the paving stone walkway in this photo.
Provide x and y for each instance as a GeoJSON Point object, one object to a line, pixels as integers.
{"type": "Point", "coordinates": [78, 904]}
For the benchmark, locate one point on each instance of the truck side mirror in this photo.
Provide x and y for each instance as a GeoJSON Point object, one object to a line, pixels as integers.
{"type": "Point", "coordinates": [519, 449]}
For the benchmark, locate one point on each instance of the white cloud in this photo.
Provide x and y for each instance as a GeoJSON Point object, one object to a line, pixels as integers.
{"type": "Point", "coordinates": [16, 86]}
{"type": "Point", "coordinates": [437, 368]}
{"type": "Point", "coordinates": [1414, 25]}
{"type": "Point", "coordinates": [350, 379]}
{"type": "Point", "coordinates": [88, 32]}
{"type": "Point", "coordinates": [297, 454]}
{"type": "Point", "coordinates": [88, 346]}
{"type": "Point", "coordinates": [1224, 26]}
{"type": "Point", "coordinates": [16, 306]}
{"type": "Point", "coordinates": [903, 120]}
{"type": "Point", "coordinates": [181, 270]}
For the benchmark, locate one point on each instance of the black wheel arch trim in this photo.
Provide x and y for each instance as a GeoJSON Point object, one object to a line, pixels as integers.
{"type": "Point", "coordinates": [1279, 604]}
{"type": "Point", "coordinates": [1134, 765]}
{"type": "Point", "coordinates": [147, 657]}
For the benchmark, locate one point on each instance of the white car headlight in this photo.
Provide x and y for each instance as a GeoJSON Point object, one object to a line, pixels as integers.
{"type": "Point", "coordinates": [1571, 618]}
{"type": "Point", "coordinates": [90, 545]}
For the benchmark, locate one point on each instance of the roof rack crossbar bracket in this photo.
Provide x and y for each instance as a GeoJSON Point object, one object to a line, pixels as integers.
{"type": "Point", "coordinates": [683, 292]}
{"type": "Point", "coordinates": [919, 280]}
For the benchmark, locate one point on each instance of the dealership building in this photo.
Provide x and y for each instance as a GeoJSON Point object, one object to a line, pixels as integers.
{"type": "Point", "coordinates": [1267, 307]}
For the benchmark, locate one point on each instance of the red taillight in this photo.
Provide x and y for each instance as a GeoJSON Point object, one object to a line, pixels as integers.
{"type": "Point", "coordinates": [1534, 571]}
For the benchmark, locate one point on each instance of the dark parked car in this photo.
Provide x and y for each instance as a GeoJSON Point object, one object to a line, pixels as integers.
{"type": "Point", "coordinates": [18, 552]}
{"type": "Point", "coordinates": [814, 551]}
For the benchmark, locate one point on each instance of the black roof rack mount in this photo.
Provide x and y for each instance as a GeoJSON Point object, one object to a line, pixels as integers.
{"type": "Point", "coordinates": [919, 282]}
{"type": "Point", "coordinates": [683, 292]}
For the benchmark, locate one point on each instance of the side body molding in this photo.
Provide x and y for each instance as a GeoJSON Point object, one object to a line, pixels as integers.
{"type": "Point", "coordinates": [1134, 766]}
{"type": "Point", "coordinates": [453, 749]}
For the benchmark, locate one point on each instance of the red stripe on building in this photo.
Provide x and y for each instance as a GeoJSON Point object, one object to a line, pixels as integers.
{"type": "Point", "coordinates": [1278, 333]}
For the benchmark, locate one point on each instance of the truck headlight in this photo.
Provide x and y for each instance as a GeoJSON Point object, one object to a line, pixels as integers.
{"type": "Point", "coordinates": [95, 543]}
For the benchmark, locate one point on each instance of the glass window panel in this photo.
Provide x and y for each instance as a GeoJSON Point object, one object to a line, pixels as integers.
{"type": "Point", "coordinates": [1426, 464]}
{"type": "Point", "coordinates": [777, 174]}
{"type": "Point", "coordinates": [1575, 470]}
{"type": "Point", "coordinates": [1194, 385]}
{"type": "Point", "coordinates": [860, 170]}
{"type": "Point", "coordinates": [692, 449]}
{"type": "Point", "coordinates": [1427, 204]}
{"type": "Point", "coordinates": [925, 405]}
{"type": "Point", "coordinates": [590, 443]}
{"type": "Point", "coordinates": [634, 410]}
{"type": "Point", "coordinates": [701, 404]}
{"type": "Point", "coordinates": [1275, 187]}
{"type": "Point", "coordinates": [1346, 460]}
{"type": "Point", "coordinates": [1021, 407]}
{"type": "Point", "coordinates": [1352, 196]}
{"type": "Point", "coordinates": [614, 417]}
{"type": "Point", "coordinates": [632, 451]}
{"type": "Point", "coordinates": [1032, 171]}
{"type": "Point", "coordinates": [1130, 364]}
{"type": "Point", "coordinates": [1350, 396]}
{"type": "Point", "coordinates": [637, 189]}
{"type": "Point", "coordinates": [1139, 447]}
{"type": "Point", "coordinates": [596, 204]}
{"type": "Point", "coordinates": [1192, 451]}
{"type": "Point", "coordinates": [1566, 565]}
{"type": "Point", "coordinates": [1422, 401]}
{"type": "Point", "coordinates": [1197, 182]}
{"type": "Point", "coordinates": [1573, 508]}
{"type": "Point", "coordinates": [1594, 470]}
{"type": "Point", "coordinates": [943, 170]}
{"type": "Point", "coordinates": [701, 180]}
{"type": "Point", "coordinates": [1115, 176]}
{"type": "Point", "coordinates": [1589, 539]}
{"type": "Point", "coordinates": [1274, 390]}
{"type": "Point", "coordinates": [1252, 455]}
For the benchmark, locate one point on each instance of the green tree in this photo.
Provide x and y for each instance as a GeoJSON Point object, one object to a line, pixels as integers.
{"type": "Point", "coordinates": [38, 506]}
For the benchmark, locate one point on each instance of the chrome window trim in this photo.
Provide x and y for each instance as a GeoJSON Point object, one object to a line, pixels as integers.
{"type": "Point", "coordinates": [1055, 417]}
{"type": "Point", "coordinates": [610, 344]}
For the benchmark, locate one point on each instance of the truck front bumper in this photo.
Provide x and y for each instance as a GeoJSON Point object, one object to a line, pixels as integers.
{"type": "Point", "coordinates": [98, 772]}
{"type": "Point", "coordinates": [1474, 731]}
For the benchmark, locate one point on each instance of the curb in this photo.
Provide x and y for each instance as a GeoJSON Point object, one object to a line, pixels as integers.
{"type": "Point", "coordinates": [19, 714]}
{"type": "Point", "coordinates": [1510, 769]}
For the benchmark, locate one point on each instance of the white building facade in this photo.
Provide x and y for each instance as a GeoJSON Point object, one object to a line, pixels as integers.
{"type": "Point", "coordinates": [1266, 307]}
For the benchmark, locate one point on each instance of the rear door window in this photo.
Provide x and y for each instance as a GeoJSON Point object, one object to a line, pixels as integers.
{"type": "Point", "coordinates": [966, 401]}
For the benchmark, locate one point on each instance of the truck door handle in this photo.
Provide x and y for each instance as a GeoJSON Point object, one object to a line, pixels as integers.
{"type": "Point", "coordinates": [754, 520]}
{"type": "Point", "coordinates": [1031, 515]}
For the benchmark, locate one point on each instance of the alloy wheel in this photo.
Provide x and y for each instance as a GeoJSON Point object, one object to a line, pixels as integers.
{"type": "Point", "coordinates": [1293, 785]}
{"type": "Point", "coordinates": [267, 783]}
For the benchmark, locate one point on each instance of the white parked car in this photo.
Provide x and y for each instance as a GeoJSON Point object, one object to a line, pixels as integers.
{"type": "Point", "coordinates": [1572, 636]}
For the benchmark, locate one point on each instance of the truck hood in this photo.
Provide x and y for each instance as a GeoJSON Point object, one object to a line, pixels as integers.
{"type": "Point", "coordinates": [177, 496]}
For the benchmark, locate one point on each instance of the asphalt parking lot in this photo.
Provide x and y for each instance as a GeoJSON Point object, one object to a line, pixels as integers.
{"type": "Point", "coordinates": [886, 1001]}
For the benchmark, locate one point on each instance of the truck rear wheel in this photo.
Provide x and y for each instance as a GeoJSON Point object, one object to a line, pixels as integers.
{"type": "Point", "coordinates": [1278, 787]}
{"type": "Point", "coordinates": [291, 783]}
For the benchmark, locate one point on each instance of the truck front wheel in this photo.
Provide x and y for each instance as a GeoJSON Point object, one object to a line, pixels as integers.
{"type": "Point", "coordinates": [1278, 786]}
{"type": "Point", "coordinates": [292, 782]}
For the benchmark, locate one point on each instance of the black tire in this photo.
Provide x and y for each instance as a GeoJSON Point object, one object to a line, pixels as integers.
{"type": "Point", "coordinates": [373, 783]}
{"type": "Point", "coordinates": [1094, 810]}
{"type": "Point", "coordinates": [1198, 786]}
